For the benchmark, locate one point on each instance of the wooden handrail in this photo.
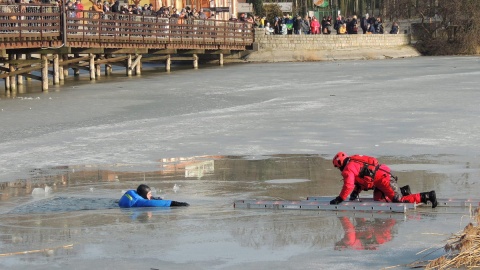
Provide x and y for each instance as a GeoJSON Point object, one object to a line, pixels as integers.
{"type": "Point", "coordinates": [44, 21]}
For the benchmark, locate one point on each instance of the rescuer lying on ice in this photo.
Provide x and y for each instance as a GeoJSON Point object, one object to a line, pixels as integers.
{"type": "Point", "coordinates": [142, 197]}
{"type": "Point", "coordinates": [365, 173]}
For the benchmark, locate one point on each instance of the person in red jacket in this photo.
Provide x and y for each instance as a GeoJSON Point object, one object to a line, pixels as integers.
{"type": "Point", "coordinates": [365, 173]}
{"type": "Point", "coordinates": [315, 26]}
{"type": "Point", "coordinates": [365, 234]}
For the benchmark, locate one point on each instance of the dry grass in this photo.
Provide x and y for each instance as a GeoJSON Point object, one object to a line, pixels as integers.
{"type": "Point", "coordinates": [463, 249]}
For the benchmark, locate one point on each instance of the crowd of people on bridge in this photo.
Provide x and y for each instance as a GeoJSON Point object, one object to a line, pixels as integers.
{"type": "Point", "coordinates": [75, 8]}
{"type": "Point", "coordinates": [296, 25]}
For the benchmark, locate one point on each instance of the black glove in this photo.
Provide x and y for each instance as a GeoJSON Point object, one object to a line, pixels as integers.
{"type": "Point", "coordinates": [354, 195]}
{"type": "Point", "coordinates": [175, 203]}
{"type": "Point", "coordinates": [156, 198]}
{"type": "Point", "coordinates": [337, 200]}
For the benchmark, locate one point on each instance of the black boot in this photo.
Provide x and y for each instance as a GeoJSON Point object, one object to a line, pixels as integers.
{"type": "Point", "coordinates": [405, 190]}
{"type": "Point", "coordinates": [429, 196]}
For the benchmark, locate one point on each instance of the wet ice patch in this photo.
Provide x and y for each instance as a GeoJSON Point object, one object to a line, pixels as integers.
{"type": "Point", "coordinates": [64, 204]}
{"type": "Point", "coordinates": [286, 181]}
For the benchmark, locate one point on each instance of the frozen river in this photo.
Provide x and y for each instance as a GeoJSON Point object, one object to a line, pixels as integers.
{"type": "Point", "coordinates": [218, 134]}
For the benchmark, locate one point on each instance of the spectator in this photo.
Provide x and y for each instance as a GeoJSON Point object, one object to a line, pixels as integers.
{"type": "Point", "coordinates": [71, 11]}
{"type": "Point", "coordinates": [343, 29]}
{"type": "Point", "coordinates": [277, 26]}
{"type": "Point", "coordinates": [395, 28]}
{"type": "Point", "coordinates": [268, 29]}
{"type": "Point", "coordinates": [306, 25]}
{"type": "Point", "coordinates": [314, 26]}
{"type": "Point", "coordinates": [116, 6]}
{"type": "Point", "coordinates": [378, 26]}
{"type": "Point", "coordinates": [106, 6]}
{"type": "Point", "coordinates": [284, 29]}
{"type": "Point", "coordinates": [202, 15]}
{"type": "Point", "coordinates": [289, 23]}
{"type": "Point", "coordinates": [364, 23]}
{"type": "Point", "coordinates": [327, 25]}
{"type": "Point", "coordinates": [352, 26]}
{"type": "Point", "coordinates": [79, 9]}
{"type": "Point", "coordinates": [297, 25]}
{"type": "Point", "coordinates": [262, 22]}
{"type": "Point", "coordinates": [338, 23]}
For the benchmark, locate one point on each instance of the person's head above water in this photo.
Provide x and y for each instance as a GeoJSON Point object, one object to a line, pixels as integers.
{"type": "Point", "coordinates": [144, 191]}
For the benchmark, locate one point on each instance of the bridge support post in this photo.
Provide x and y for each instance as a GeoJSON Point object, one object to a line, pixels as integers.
{"type": "Point", "coordinates": [98, 69]}
{"type": "Point", "coordinates": [20, 78]}
{"type": "Point", "coordinates": [13, 81]}
{"type": "Point", "coordinates": [92, 66]}
{"type": "Point", "coordinates": [28, 57]}
{"type": "Point", "coordinates": [108, 66]}
{"type": "Point", "coordinates": [221, 59]}
{"type": "Point", "coordinates": [65, 68]}
{"type": "Point", "coordinates": [195, 61]}
{"type": "Point", "coordinates": [138, 66]}
{"type": "Point", "coordinates": [168, 63]}
{"type": "Point", "coordinates": [56, 69]}
{"type": "Point", "coordinates": [61, 74]}
{"type": "Point", "coordinates": [76, 71]}
{"type": "Point", "coordinates": [129, 65]}
{"type": "Point", "coordinates": [7, 84]}
{"type": "Point", "coordinates": [44, 73]}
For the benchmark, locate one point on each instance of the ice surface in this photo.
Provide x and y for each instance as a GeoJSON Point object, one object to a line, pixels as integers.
{"type": "Point", "coordinates": [233, 132]}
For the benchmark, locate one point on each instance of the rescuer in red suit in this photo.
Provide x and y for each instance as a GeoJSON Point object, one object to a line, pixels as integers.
{"type": "Point", "coordinates": [365, 234]}
{"type": "Point", "coordinates": [364, 173]}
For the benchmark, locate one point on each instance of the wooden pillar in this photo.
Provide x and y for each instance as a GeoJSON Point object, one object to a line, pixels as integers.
{"type": "Point", "coordinates": [28, 57]}
{"type": "Point", "coordinates": [168, 63]}
{"type": "Point", "coordinates": [56, 69]}
{"type": "Point", "coordinates": [91, 67]}
{"type": "Point", "coordinates": [44, 73]}
{"type": "Point", "coordinates": [61, 74]}
{"type": "Point", "coordinates": [129, 65]}
{"type": "Point", "coordinates": [7, 82]}
{"type": "Point", "coordinates": [138, 67]}
{"type": "Point", "coordinates": [76, 71]}
{"type": "Point", "coordinates": [20, 77]}
{"type": "Point", "coordinates": [221, 59]}
{"type": "Point", "coordinates": [65, 68]}
{"type": "Point", "coordinates": [13, 81]}
{"type": "Point", "coordinates": [195, 61]}
{"type": "Point", "coordinates": [108, 67]}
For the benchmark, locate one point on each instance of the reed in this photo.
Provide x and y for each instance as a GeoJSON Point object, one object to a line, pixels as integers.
{"type": "Point", "coordinates": [462, 249]}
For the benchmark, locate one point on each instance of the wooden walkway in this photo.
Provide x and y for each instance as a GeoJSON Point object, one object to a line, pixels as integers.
{"type": "Point", "coordinates": [41, 38]}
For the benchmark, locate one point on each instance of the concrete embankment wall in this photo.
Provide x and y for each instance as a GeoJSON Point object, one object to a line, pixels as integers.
{"type": "Point", "coordinates": [286, 48]}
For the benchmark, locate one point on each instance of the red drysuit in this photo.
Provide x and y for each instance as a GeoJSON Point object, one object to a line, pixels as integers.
{"type": "Point", "coordinates": [378, 176]}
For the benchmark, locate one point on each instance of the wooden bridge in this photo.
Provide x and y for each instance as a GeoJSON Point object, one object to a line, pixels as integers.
{"type": "Point", "coordinates": [42, 38]}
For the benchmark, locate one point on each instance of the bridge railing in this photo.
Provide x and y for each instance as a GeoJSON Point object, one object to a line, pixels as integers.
{"type": "Point", "coordinates": [27, 21]}
{"type": "Point", "coordinates": [116, 27]}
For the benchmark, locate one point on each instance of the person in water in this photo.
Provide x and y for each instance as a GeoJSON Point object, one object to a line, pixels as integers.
{"type": "Point", "coordinates": [142, 197]}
